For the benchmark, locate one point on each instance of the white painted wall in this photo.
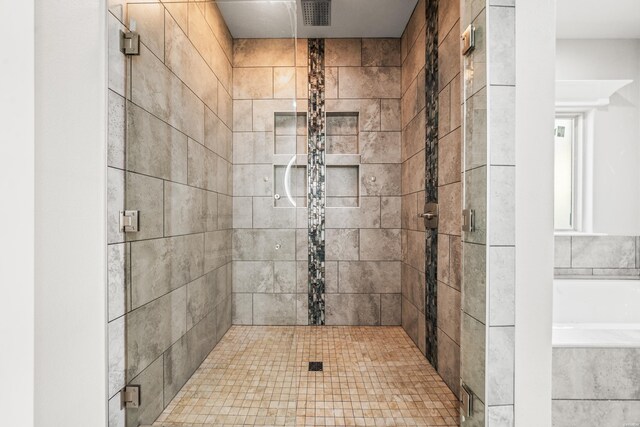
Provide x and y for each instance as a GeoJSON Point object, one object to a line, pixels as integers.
{"type": "Point", "coordinates": [535, 50]}
{"type": "Point", "coordinates": [16, 214]}
{"type": "Point", "coordinates": [616, 151]}
{"type": "Point", "coordinates": [70, 273]}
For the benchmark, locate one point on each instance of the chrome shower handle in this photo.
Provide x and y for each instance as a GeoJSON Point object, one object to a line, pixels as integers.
{"type": "Point", "coordinates": [427, 215]}
{"type": "Point", "coordinates": [430, 215]}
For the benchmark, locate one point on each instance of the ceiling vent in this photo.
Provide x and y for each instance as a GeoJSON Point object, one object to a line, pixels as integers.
{"type": "Point", "coordinates": [316, 13]}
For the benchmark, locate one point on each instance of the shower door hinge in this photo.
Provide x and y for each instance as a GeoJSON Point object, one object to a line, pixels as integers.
{"type": "Point", "coordinates": [130, 43]}
{"type": "Point", "coordinates": [129, 221]}
{"type": "Point", "coordinates": [466, 401]}
{"type": "Point", "coordinates": [469, 220]}
{"type": "Point", "coordinates": [130, 397]}
{"type": "Point", "coordinates": [468, 40]}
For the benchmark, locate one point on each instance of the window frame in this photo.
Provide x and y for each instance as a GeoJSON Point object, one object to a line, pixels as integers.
{"type": "Point", "coordinates": [582, 168]}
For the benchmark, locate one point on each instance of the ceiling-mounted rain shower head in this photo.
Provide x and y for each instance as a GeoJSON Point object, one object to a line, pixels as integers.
{"type": "Point", "coordinates": [316, 13]}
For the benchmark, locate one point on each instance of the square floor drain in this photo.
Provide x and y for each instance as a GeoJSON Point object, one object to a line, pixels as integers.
{"type": "Point", "coordinates": [315, 366]}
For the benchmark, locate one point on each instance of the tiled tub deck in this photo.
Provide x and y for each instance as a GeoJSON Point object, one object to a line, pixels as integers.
{"type": "Point", "coordinates": [596, 353]}
{"type": "Point", "coordinates": [259, 375]}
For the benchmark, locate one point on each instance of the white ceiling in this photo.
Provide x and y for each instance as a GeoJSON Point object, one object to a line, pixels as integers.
{"type": "Point", "coordinates": [598, 19]}
{"type": "Point", "coordinates": [349, 18]}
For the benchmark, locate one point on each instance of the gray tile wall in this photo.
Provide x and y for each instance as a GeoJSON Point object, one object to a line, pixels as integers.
{"type": "Point", "coordinates": [363, 240]}
{"type": "Point", "coordinates": [449, 192]}
{"type": "Point", "coordinates": [597, 257]}
{"type": "Point", "coordinates": [449, 185]}
{"type": "Point", "coordinates": [488, 285]}
{"type": "Point", "coordinates": [269, 234]}
{"type": "Point", "coordinates": [413, 49]}
{"type": "Point", "coordinates": [596, 386]}
{"type": "Point", "coordinates": [169, 156]}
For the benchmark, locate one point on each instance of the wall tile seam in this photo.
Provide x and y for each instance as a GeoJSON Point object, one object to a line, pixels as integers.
{"type": "Point", "coordinates": [474, 318]}
{"type": "Point", "coordinates": [474, 93]}
{"type": "Point", "coordinates": [477, 167]}
{"type": "Point", "coordinates": [210, 150]}
{"type": "Point", "coordinates": [204, 316]}
{"type": "Point", "coordinates": [176, 76]}
{"type": "Point", "coordinates": [284, 67]}
{"type": "Point", "coordinates": [209, 24]}
{"type": "Point", "coordinates": [449, 84]}
{"type": "Point", "coordinates": [172, 236]}
{"type": "Point", "coordinates": [169, 124]}
{"type": "Point", "coordinates": [164, 122]}
{"type": "Point", "coordinates": [450, 287]}
{"type": "Point", "coordinates": [457, 343]}
{"type": "Point", "coordinates": [110, 12]}
{"type": "Point", "coordinates": [483, 9]}
{"type": "Point", "coordinates": [188, 37]}
{"type": "Point", "coordinates": [292, 229]}
{"type": "Point", "coordinates": [204, 189]}
{"type": "Point", "coordinates": [406, 94]}
{"type": "Point", "coordinates": [132, 309]}
{"type": "Point", "coordinates": [413, 118]}
{"type": "Point", "coordinates": [408, 301]}
{"type": "Point", "coordinates": [166, 237]}
{"type": "Point", "coordinates": [448, 183]}
{"type": "Point", "coordinates": [213, 34]}
{"type": "Point", "coordinates": [416, 229]}
{"type": "Point", "coordinates": [140, 373]}
{"type": "Point", "coordinates": [420, 152]}
{"type": "Point", "coordinates": [445, 134]}
{"type": "Point", "coordinates": [190, 186]}
{"type": "Point", "coordinates": [413, 42]}
{"type": "Point", "coordinates": [399, 67]}
{"type": "Point", "coordinates": [449, 31]}
{"type": "Point", "coordinates": [570, 252]}
{"type": "Point", "coordinates": [363, 98]}
{"type": "Point", "coordinates": [405, 90]}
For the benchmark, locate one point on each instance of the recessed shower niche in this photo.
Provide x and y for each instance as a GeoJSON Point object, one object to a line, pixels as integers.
{"type": "Point", "coordinates": [343, 160]}
{"type": "Point", "coordinates": [290, 133]}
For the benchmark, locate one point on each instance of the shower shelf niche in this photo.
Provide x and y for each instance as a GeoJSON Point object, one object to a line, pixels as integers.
{"type": "Point", "coordinates": [343, 160]}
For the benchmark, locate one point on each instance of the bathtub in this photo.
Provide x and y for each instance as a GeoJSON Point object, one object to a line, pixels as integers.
{"type": "Point", "coordinates": [596, 346]}
{"type": "Point", "coordinates": [596, 313]}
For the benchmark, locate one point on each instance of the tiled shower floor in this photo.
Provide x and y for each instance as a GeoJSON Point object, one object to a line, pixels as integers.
{"type": "Point", "coordinates": [258, 375]}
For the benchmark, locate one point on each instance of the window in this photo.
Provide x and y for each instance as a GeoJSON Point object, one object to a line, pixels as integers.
{"type": "Point", "coordinates": [568, 172]}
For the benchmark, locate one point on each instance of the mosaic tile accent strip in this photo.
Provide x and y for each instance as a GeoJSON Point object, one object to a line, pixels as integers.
{"type": "Point", "coordinates": [316, 174]}
{"type": "Point", "coordinates": [431, 179]}
{"type": "Point", "coordinates": [258, 376]}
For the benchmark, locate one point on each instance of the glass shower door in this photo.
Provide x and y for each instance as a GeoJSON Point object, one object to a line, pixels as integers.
{"type": "Point", "coordinates": [187, 145]}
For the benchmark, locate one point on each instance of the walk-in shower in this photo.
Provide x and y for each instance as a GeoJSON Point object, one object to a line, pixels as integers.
{"type": "Point", "coordinates": [276, 157]}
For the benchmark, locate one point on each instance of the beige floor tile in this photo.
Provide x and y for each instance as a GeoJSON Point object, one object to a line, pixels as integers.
{"type": "Point", "coordinates": [258, 376]}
